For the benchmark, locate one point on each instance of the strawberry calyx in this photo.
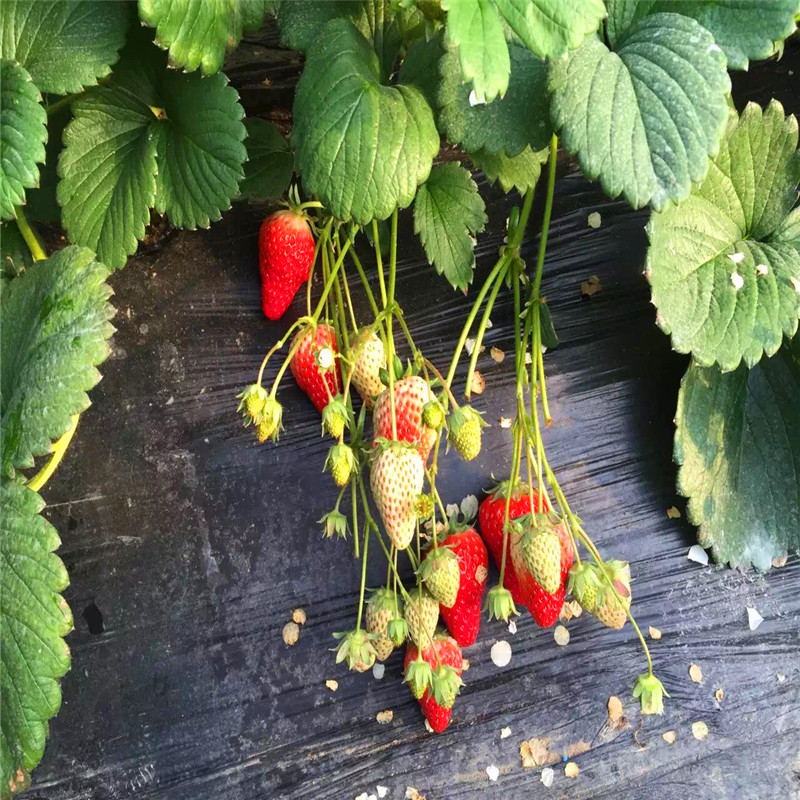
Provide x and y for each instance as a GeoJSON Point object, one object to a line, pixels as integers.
{"type": "Point", "coordinates": [500, 603]}
{"type": "Point", "coordinates": [334, 523]}
{"type": "Point", "coordinates": [397, 630]}
{"type": "Point", "coordinates": [335, 417]}
{"type": "Point", "coordinates": [419, 674]}
{"type": "Point", "coordinates": [651, 693]}
{"type": "Point", "coordinates": [356, 648]}
{"type": "Point", "coordinates": [446, 685]}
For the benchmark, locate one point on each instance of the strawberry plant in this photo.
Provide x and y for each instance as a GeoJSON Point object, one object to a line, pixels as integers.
{"type": "Point", "coordinates": [113, 114]}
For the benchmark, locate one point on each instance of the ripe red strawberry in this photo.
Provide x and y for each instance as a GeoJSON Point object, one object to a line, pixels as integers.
{"type": "Point", "coordinates": [285, 255]}
{"type": "Point", "coordinates": [463, 617]}
{"type": "Point", "coordinates": [490, 520]}
{"type": "Point", "coordinates": [410, 396]}
{"type": "Point", "coordinates": [309, 369]}
{"type": "Point", "coordinates": [396, 477]}
{"type": "Point", "coordinates": [443, 652]}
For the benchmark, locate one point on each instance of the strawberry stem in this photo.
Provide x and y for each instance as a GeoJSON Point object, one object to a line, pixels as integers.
{"type": "Point", "coordinates": [367, 527]}
{"type": "Point", "coordinates": [28, 234]}
{"type": "Point", "coordinates": [320, 243]}
{"type": "Point", "coordinates": [354, 504]}
{"type": "Point", "coordinates": [388, 304]}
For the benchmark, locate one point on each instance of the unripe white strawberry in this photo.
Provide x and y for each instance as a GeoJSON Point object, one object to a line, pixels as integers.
{"type": "Point", "coordinates": [370, 358]}
{"type": "Point", "coordinates": [396, 480]}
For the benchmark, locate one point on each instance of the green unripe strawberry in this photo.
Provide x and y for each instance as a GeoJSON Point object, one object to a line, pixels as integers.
{"type": "Point", "coordinates": [613, 609]}
{"type": "Point", "coordinates": [585, 585]}
{"type": "Point", "coordinates": [433, 415]}
{"type": "Point", "coordinates": [334, 417]}
{"type": "Point", "coordinates": [422, 614]}
{"type": "Point", "coordinates": [378, 615]}
{"type": "Point", "coordinates": [268, 424]}
{"type": "Point", "coordinates": [424, 507]}
{"type": "Point", "coordinates": [464, 432]}
{"type": "Point", "coordinates": [252, 401]}
{"type": "Point", "coordinates": [441, 574]}
{"type": "Point", "coordinates": [541, 551]}
{"type": "Point", "coordinates": [341, 463]}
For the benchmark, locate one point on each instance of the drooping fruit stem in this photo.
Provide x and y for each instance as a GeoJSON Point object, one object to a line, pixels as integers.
{"type": "Point", "coordinates": [321, 241]}
{"type": "Point", "coordinates": [37, 482]}
{"type": "Point", "coordinates": [28, 234]}
{"type": "Point", "coordinates": [367, 527]}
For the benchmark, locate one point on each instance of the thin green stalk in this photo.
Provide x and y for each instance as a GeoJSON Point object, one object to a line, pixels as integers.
{"type": "Point", "coordinates": [277, 346]}
{"type": "Point", "coordinates": [321, 241]}
{"type": "Point", "coordinates": [363, 576]}
{"type": "Point", "coordinates": [329, 283]}
{"type": "Point", "coordinates": [365, 283]}
{"type": "Point", "coordinates": [28, 234]}
{"type": "Point", "coordinates": [511, 484]}
{"type": "Point", "coordinates": [349, 300]}
{"type": "Point", "coordinates": [389, 304]}
{"type": "Point", "coordinates": [354, 506]}
{"type": "Point", "coordinates": [548, 210]}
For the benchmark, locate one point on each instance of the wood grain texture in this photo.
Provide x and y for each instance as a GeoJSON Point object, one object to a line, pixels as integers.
{"type": "Point", "coordinates": [194, 544]}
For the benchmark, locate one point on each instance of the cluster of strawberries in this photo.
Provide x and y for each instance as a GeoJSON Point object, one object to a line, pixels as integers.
{"type": "Point", "coordinates": [531, 546]}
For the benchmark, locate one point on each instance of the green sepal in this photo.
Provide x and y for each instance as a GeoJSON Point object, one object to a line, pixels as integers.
{"type": "Point", "coordinates": [500, 603]}
{"type": "Point", "coordinates": [334, 524]}
{"type": "Point", "coordinates": [419, 677]}
{"type": "Point", "coordinates": [446, 685]}
{"type": "Point", "coordinates": [651, 693]}
{"type": "Point", "coordinates": [335, 417]}
{"type": "Point", "coordinates": [397, 629]}
{"type": "Point", "coordinates": [356, 648]}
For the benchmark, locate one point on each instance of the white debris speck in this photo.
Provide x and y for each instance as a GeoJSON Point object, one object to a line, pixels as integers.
{"type": "Point", "coordinates": [474, 100]}
{"type": "Point", "coordinates": [781, 678]}
{"type": "Point", "coordinates": [377, 671]}
{"type": "Point", "coordinates": [382, 791]}
{"type": "Point", "coordinates": [668, 737]}
{"type": "Point", "coordinates": [561, 635]}
{"type": "Point", "coordinates": [505, 733]}
{"type": "Point", "coordinates": [170, 401]}
{"type": "Point", "coordinates": [795, 283]}
{"type": "Point", "coordinates": [469, 506]}
{"type": "Point", "coordinates": [736, 257]}
{"type": "Point", "coordinates": [762, 269]}
{"type": "Point", "coordinates": [325, 358]}
{"type": "Point", "coordinates": [505, 422]}
{"type": "Point", "coordinates": [501, 653]}
{"type": "Point", "coordinates": [362, 796]}
{"type": "Point", "coordinates": [737, 280]}
{"type": "Point", "coordinates": [332, 684]}
{"type": "Point", "coordinates": [528, 359]}
{"type": "Point", "coordinates": [492, 772]}
{"type": "Point", "coordinates": [754, 619]}
{"type": "Point", "coordinates": [469, 345]}
{"type": "Point", "coordinates": [547, 776]}
{"type": "Point", "coordinates": [697, 554]}
{"type": "Point", "coordinates": [695, 673]}
{"type": "Point", "coordinates": [572, 770]}
{"type": "Point", "coordinates": [385, 717]}
{"type": "Point", "coordinates": [489, 324]}
{"type": "Point", "coordinates": [594, 220]}
{"type": "Point", "coordinates": [512, 627]}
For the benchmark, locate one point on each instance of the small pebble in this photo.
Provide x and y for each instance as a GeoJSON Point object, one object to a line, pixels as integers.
{"type": "Point", "coordinates": [754, 619]}
{"type": "Point", "coordinates": [299, 616]}
{"type": "Point", "coordinates": [547, 776]}
{"type": "Point", "coordinates": [378, 670]}
{"type": "Point", "coordinates": [505, 422]}
{"type": "Point", "coordinates": [781, 678]}
{"type": "Point", "coordinates": [512, 627]}
{"type": "Point", "coordinates": [571, 770]}
{"type": "Point", "coordinates": [594, 220]}
{"type": "Point", "coordinates": [291, 633]}
{"type": "Point", "coordinates": [699, 730]}
{"type": "Point", "coordinates": [382, 791]}
{"type": "Point", "coordinates": [501, 653]}
{"type": "Point", "coordinates": [695, 673]}
{"type": "Point", "coordinates": [719, 694]}
{"type": "Point", "coordinates": [332, 684]}
{"type": "Point", "coordinates": [385, 717]}
{"type": "Point", "coordinates": [697, 554]}
{"type": "Point", "coordinates": [655, 633]}
{"type": "Point", "coordinates": [492, 772]}
{"type": "Point", "coordinates": [668, 737]}
{"type": "Point", "coordinates": [561, 635]}
{"type": "Point", "coordinates": [505, 733]}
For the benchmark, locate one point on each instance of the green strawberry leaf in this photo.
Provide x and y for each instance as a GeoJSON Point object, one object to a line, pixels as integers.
{"type": "Point", "coordinates": [270, 162]}
{"type": "Point", "coordinates": [361, 147]}
{"type": "Point", "coordinates": [724, 265]}
{"type": "Point", "coordinates": [737, 445]}
{"type": "Point", "coordinates": [15, 257]}
{"type": "Point", "coordinates": [55, 331]}
{"type": "Point", "coordinates": [448, 212]}
{"type": "Point", "coordinates": [379, 25]}
{"type": "Point", "coordinates": [199, 34]}
{"type": "Point", "coordinates": [512, 123]}
{"type": "Point", "coordinates": [149, 137]}
{"type": "Point", "coordinates": [200, 150]}
{"type": "Point", "coordinates": [549, 335]}
{"type": "Point", "coordinates": [548, 28]}
{"type": "Point", "coordinates": [645, 118]}
{"type": "Point", "coordinates": [41, 203]}
{"type": "Point", "coordinates": [34, 619]}
{"type": "Point", "coordinates": [520, 172]}
{"type": "Point", "coordinates": [420, 67]}
{"type": "Point", "coordinates": [64, 46]}
{"type": "Point", "coordinates": [299, 23]}
{"type": "Point", "coordinates": [744, 29]}
{"type": "Point", "coordinates": [476, 30]}
{"type": "Point", "coordinates": [23, 133]}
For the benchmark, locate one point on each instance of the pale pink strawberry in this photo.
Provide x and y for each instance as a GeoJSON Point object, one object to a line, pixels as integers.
{"type": "Point", "coordinates": [410, 396]}
{"type": "Point", "coordinates": [396, 477]}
